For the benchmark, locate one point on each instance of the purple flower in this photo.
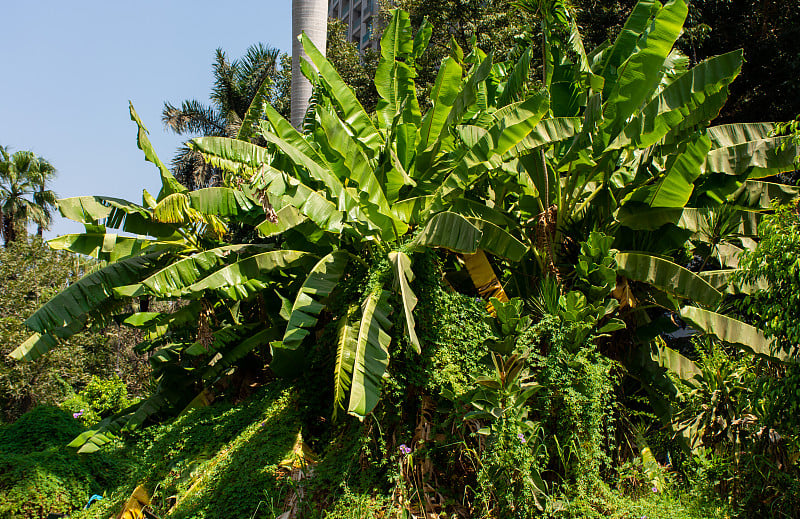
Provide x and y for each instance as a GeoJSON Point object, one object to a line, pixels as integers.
{"type": "Point", "coordinates": [78, 414]}
{"type": "Point", "coordinates": [655, 489]}
{"type": "Point", "coordinates": [405, 450]}
{"type": "Point", "coordinates": [521, 438]}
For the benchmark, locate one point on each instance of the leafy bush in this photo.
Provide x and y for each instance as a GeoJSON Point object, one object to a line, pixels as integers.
{"type": "Point", "coordinates": [98, 399]}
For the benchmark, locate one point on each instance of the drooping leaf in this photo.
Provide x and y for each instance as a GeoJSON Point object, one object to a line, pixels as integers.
{"type": "Point", "coordinates": [760, 158]}
{"type": "Point", "coordinates": [667, 276]}
{"type": "Point", "coordinates": [243, 278]}
{"type": "Point", "coordinates": [237, 156]}
{"type": "Point", "coordinates": [104, 246]}
{"type": "Point", "coordinates": [403, 276]}
{"type": "Point", "coordinates": [371, 354]}
{"type": "Point", "coordinates": [175, 279]}
{"type": "Point", "coordinates": [346, 341]}
{"type": "Point", "coordinates": [34, 347]}
{"type": "Point", "coordinates": [449, 231]}
{"type": "Point", "coordinates": [732, 331]}
{"type": "Point", "coordinates": [499, 242]}
{"type": "Point", "coordinates": [71, 306]}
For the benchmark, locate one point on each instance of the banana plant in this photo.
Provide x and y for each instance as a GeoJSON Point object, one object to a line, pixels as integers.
{"type": "Point", "coordinates": [373, 185]}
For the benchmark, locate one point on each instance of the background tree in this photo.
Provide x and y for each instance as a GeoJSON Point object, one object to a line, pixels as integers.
{"type": "Point", "coordinates": [236, 85]}
{"type": "Point", "coordinates": [356, 68]}
{"type": "Point", "coordinates": [30, 274]}
{"type": "Point", "coordinates": [24, 196]}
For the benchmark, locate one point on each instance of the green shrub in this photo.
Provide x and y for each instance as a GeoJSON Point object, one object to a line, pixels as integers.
{"type": "Point", "coordinates": [100, 398]}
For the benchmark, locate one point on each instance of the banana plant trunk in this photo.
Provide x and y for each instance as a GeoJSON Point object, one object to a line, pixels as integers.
{"type": "Point", "coordinates": [310, 16]}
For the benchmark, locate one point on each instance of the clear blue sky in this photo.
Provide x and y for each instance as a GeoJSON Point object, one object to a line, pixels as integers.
{"type": "Point", "coordinates": [68, 70]}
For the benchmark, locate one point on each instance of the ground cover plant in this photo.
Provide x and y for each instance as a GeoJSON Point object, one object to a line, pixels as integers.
{"type": "Point", "coordinates": [475, 311]}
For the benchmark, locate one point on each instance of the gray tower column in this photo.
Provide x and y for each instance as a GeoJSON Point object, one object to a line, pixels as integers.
{"type": "Point", "coordinates": [310, 16]}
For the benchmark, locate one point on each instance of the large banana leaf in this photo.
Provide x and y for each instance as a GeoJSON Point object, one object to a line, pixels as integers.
{"type": "Point", "coordinates": [515, 84]}
{"type": "Point", "coordinates": [245, 277]}
{"type": "Point", "coordinates": [347, 200]}
{"type": "Point", "coordinates": [640, 73]}
{"type": "Point", "coordinates": [443, 95]}
{"type": "Point", "coordinates": [726, 135]}
{"type": "Point", "coordinates": [644, 218]}
{"type": "Point", "coordinates": [232, 155]}
{"type": "Point", "coordinates": [370, 353]}
{"type": "Point", "coordinates": [34, 347]}
{"type": "Point", "coordinates": [760, 158]}
{"type": "Point", "coordinates": [343, 97]}
{"type": "Point", "coordinates": [403, 276]}
{"type": "Point", "coordinates": [672, 360]}
{"type": "Point", "coordinates": [321, 281]}
{"type": "Point", "coordinates": [355, 167]}
{"type": "Point", "coordinates": [676, 102]}
{"type": "Point", "coordinates": [733, 331]}
{"type": "Point", "coordinates": [667, 276]}
{"type": "Point", "coordinates": [313, 204]}
{"type": "Point", "coordinates": [548, 131]}
{"type": "Point", "coordinates": [472, 209]}
{"type": "Point", "coordinates": [449, 231]}
{"type": "Point", "coordinates": [513, 123]}
{"type": "Point", "coordinates": [287, 218]}
{"type": "Point", "coordinates": [115, 214]}
{"type": "Point", "coordinates": [760, 195]}
{"type": "Point", "coordinates": [499, 242]}
{"type": "Point", "coordinates": [468, 94]}
{"type": "Point", "coordinates": [346, 340]}
{"type": "Point", "coordinates": [626, 41]}
{"type": "Point", "coordinates": [676, 185]}
{"type": "Point", "coordinates": [92, 292]}
{"type": "Point", "coordinates": [104, 246]}
{"type": "Point", "coordinates": [723, 280]}
{"type": "Point", "coordinates": [394, 77]}
{"type": "Point", "coordinates": [255, 112]}
{"type": "Point", "coordinates": [175, 280]}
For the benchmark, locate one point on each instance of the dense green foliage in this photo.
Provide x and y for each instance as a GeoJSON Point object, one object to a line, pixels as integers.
{"type": "Point", "coordinates": [39, 476]}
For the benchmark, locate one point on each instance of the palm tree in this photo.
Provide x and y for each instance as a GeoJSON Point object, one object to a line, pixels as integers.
{"type": "Point", "coordinates": [310, 16]}
{"type": "Point", "coordinates": [24, 196]}
{"type": "Point", "coordinates": [236, 84]}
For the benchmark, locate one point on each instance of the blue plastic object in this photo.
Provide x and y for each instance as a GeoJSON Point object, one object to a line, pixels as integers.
{"type": "Point", "coordinates": [92, 499]}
